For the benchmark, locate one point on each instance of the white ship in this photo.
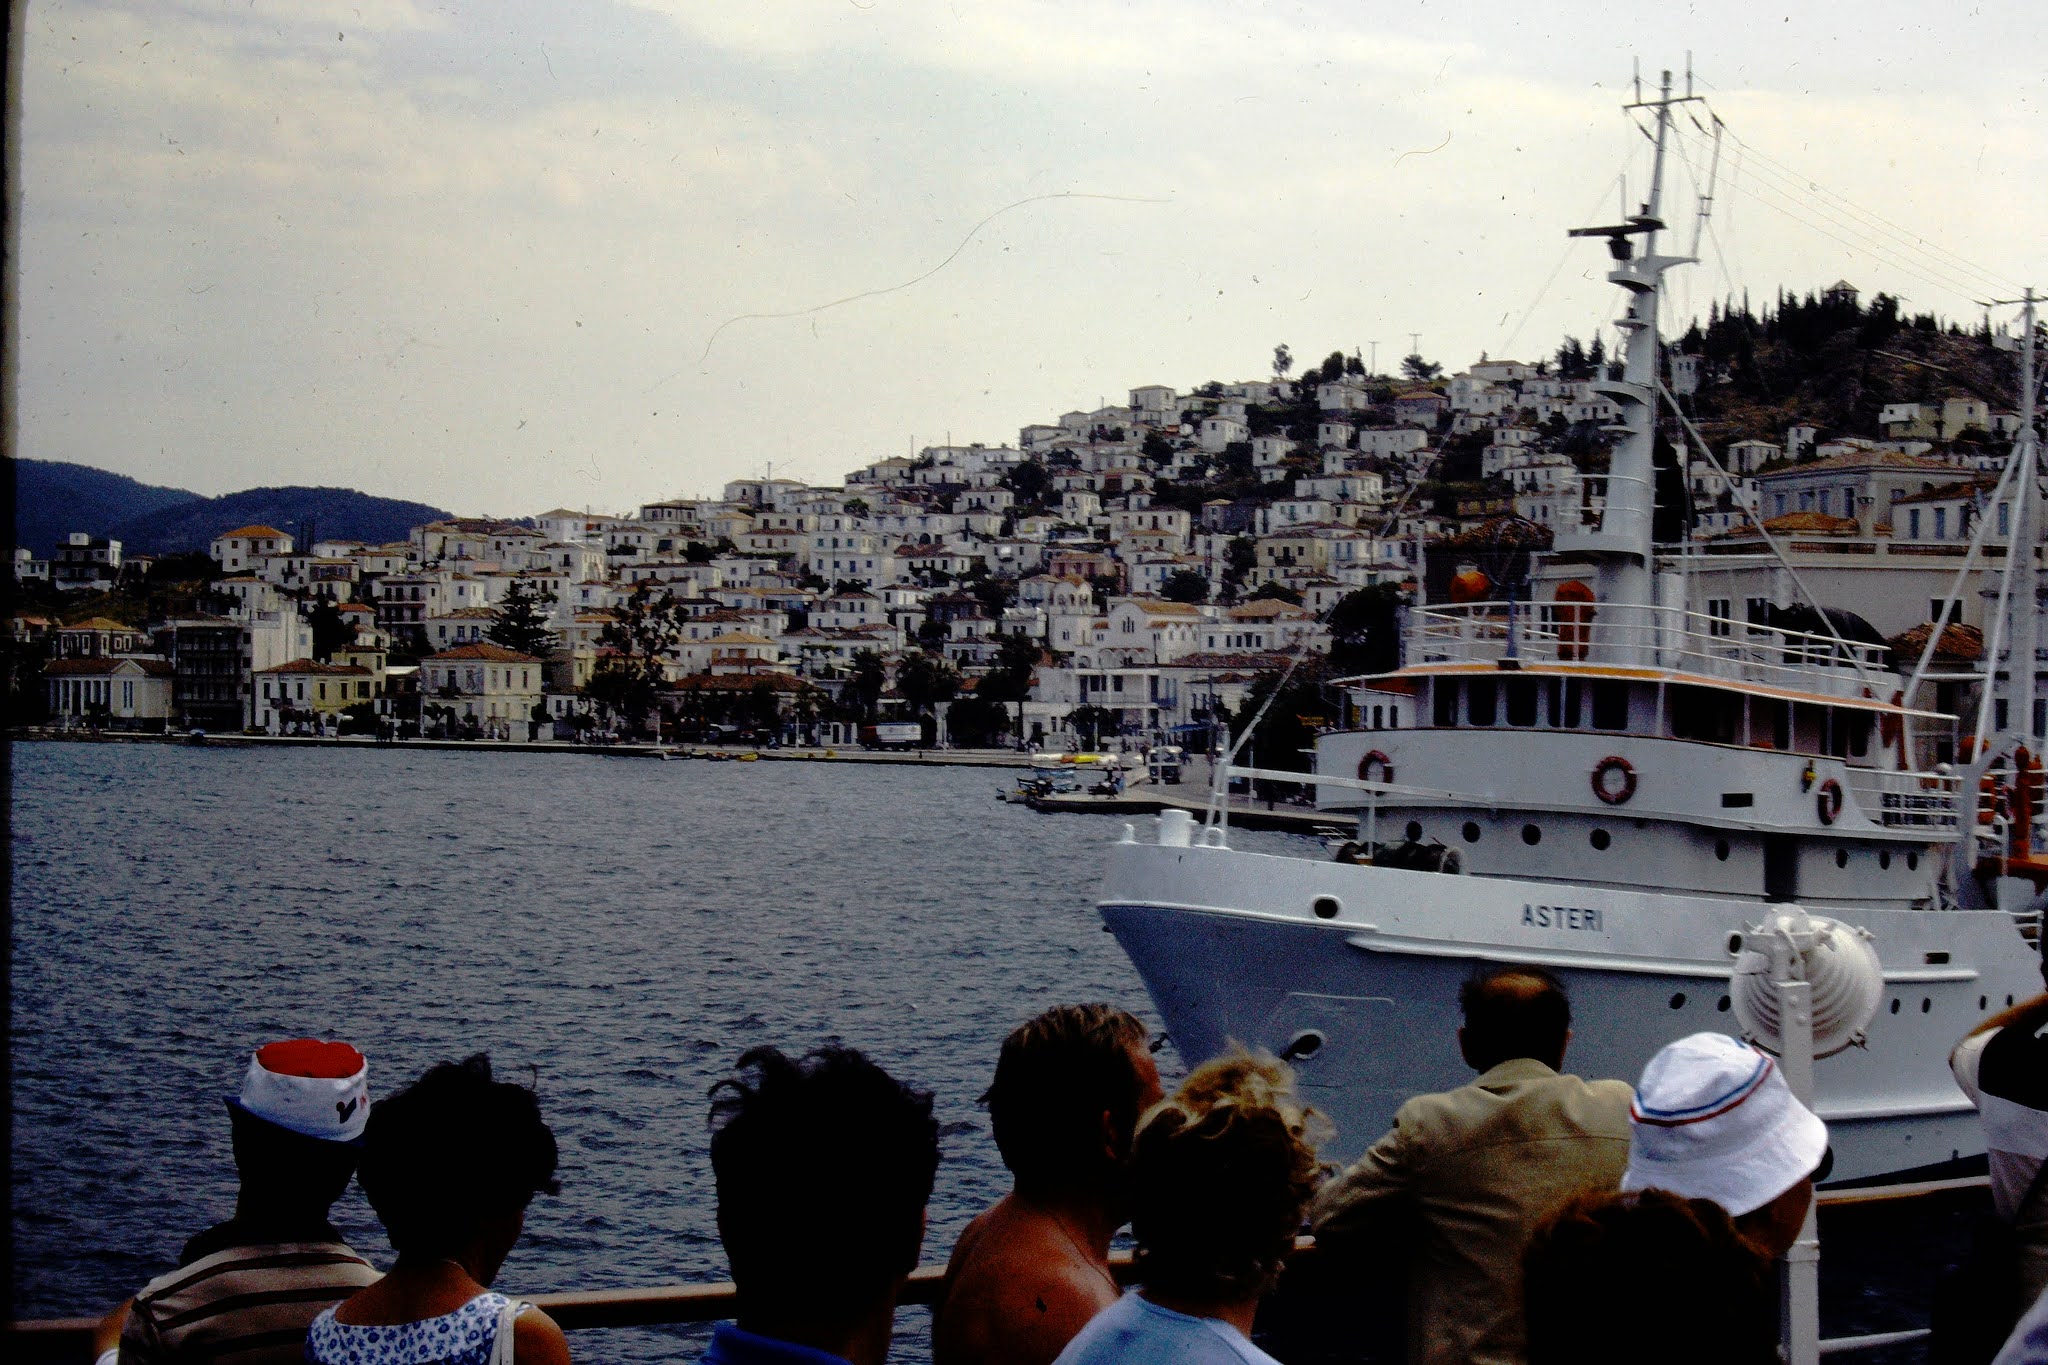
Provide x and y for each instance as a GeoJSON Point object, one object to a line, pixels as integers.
{"type": "Point", "coordinates": [1626, 785]}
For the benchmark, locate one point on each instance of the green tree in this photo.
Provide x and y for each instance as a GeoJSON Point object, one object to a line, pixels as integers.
{"type": "Point", "coordinates": [1028, 482]}
{"type": "Point", "coordinates": [1364, 631]}
{"type": "Point", "coordinates": [331, 631]}
{"type": "Point", "coordinates": [977, 722]}
{"type": "Point", "coordinates": [1093, 722]}
{"type": "Point", "coordinates": [520, 621]}
{"type": "Point", "coordinates": [1283, 360]}
{"type": "Point", "coordinates": [925, 680]}
{"type": "Point", "coordinates": [1276, 591]}
{"type": "Point", "coordinates": [1238, 560]}
{"type": "Point", "coordinates": [869, 675]}
{"type": "Point", "coordinates": [1415, 367]}
{"type": "Point", "coordinates": [628, 680]}
{"type": "Point", "coordinates": [1185, 585]}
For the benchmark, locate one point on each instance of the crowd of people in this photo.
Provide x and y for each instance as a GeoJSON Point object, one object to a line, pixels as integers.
{"type": "Point", "coordinates": [1535, 1216]}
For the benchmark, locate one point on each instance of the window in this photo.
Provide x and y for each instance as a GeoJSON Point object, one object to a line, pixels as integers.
{"type": "Point", "coordinates": [2005, 518]}
{"type": "Point", "coordinates": [1610, 706]}
{"type": "Point", "coordinates": [1913, 524]}
{"type": "Point", "coordinates": [1445, 693]}
{"type": "Point", "coordinates": [1720, 611]}
{"type": "Point", "coordinates": [1757, 610]}
{"type": "Point", "coordinates": [1481, 697]}
{"type": "Point", "coordinates": [1941, 523]}
{"type": "Point", "coordinates": [1521, 701]}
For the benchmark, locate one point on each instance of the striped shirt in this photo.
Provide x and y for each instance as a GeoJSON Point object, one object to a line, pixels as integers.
{"type": "Point", "coordinates": [244, 1304]}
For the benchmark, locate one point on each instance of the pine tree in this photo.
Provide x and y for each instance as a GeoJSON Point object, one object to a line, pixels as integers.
{"type": "Point", "coordinates": [521, 621]}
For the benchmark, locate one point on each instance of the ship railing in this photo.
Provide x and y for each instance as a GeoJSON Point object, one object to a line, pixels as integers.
{"type": "Point", "coordinates": [1906, 800]}
{"type": "Point", "coordinates": [71, 1340]}
{"type": "Point", "coordinates": [1689, 641]}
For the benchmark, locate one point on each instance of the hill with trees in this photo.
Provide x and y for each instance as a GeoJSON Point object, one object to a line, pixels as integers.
{"type": "Point", "coordinates": [53, 499]}
{"type": "Point", "coordinates": [328, 513]}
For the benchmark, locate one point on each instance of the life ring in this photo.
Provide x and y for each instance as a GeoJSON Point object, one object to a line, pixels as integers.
{"type": "Point", "coordinates": [1827, 801]}
{"type": "Point", "coordinates": [1606, 791]}
{"type": "Point", "coordinates": [1365, 767]}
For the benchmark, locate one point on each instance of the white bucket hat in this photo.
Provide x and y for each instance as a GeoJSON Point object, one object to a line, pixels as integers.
{"type": "Point", "coordinates": [1714, 1119]}
{"type": "Point", "coordinates": [307, 1086]}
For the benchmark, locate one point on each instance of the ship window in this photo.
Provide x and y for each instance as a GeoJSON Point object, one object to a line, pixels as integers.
{"type": "Point", "coordinates": [1471, 831]}
{"type": "Point", "coordinates": [1379, 718]}
{"type": "Point", "coordinates": [1884, 858]}
{"type": "Point", "coordinates": [1521, 701]}
{"type": "Point", "coordinates": [1721, 850]}
{"type": "Point", "coordinates": [1600, 839]}
{"type": "Point", "coordinates": [1926, 1004]}
{"type": "Point", "coordinates": [1912, 861]}
{"type": "Point", "coordinates": [1678, 1001]}
{"type": "Point", "coordinates": [1481, 696]}
{"type": "Point", "coordinates": [1574, 702]}
{"type": "Point", "coordinates": [1532, 835]}
{"type": "Point", "coordinates": [1446, 693]}
{"type": "Point", "coordinates": [1610, 706]}
{"type": "Point", "coordinates": [1414, 831]}
{"type": "Point", "coordinates": [1895, 1005]}
{"type": "Point", "coordinates": [1841, 857]}
{"type": "Point", "coordinates": [1723, 1005]}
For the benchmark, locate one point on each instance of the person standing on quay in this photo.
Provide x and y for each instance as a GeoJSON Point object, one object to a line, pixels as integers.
{"type": "Point", "coordinates": [823, 1167]}
{"type": "Point", "coordinates": [1026, 1274]}
{"type": "Point", "coordinates": [248, 1288]}
{"type": "Point", "coordinates": [1466, 1176]}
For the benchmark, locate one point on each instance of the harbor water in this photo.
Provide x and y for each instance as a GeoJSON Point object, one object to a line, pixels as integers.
{"type": "Point", "coordinates": [614, 931]}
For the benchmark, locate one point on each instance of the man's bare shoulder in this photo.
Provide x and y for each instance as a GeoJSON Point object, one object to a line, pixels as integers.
{"type": "Point", "coordinates": [1017, 1290]}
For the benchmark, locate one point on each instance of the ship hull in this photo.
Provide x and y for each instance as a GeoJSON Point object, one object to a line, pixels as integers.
{"type": "Point", "coordinates": [1355, 970]}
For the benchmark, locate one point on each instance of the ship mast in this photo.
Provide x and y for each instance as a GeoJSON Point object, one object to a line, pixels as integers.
{"type": "Point", "coordinates": [1621, 549]}
{"type": "Point", "coordinates": [2024, 668]}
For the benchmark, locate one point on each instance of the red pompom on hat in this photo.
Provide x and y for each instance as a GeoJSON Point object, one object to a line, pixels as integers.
{"type": "Point", "coordinates": [310, 1087]}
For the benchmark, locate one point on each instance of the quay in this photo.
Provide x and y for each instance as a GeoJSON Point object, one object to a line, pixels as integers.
{"type": "Point", "coordinates": [1943, 1206]}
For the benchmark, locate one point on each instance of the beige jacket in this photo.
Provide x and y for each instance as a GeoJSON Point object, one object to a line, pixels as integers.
{"type": "Point", "coordinates": [1468, 1175]}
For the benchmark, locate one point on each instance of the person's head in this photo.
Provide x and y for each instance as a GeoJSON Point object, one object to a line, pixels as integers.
{"type": "Point", "coordinates": [1615, 1278]}
{"type": "Point", "coordinates": [824, 1166]}
{"type": "Point", "coordinates": [1069, 1087]}
{"type": "Point", "coordinates": [1220, 1174]}
{"type": "Point", "coordinates": [297, 1125]}
{"type": "Point", "coordinates": [451, 1162]}
{"type": "Point", "coordinates": [1513, 1012]}
{"type": "Point", "coordinates": [1714, 1119]}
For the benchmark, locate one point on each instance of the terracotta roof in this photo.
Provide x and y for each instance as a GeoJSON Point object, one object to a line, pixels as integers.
{"type": "Point", "coordinates": [1958, 642]}
{"type": "Point", "coordinates": [101, 623]}
{"type": "Point", "coordinates": [315, 667]}
{"type": "Point", "coordinates": [1205, 661]}
{"type": "Point", "coordinates": [1949, 492]}
{"type": "Point", "coordinates": [483, 651]}
{"type": "Point", "coordinates": [248, 531]}
{"type": "Point", "coordinates": [1861, 459]}
{"type": "Point", "coordinates": [1819, 522]}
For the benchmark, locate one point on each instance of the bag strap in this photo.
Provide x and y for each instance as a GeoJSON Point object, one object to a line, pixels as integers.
{"type": "Point", "coordinates": [501, 1344]}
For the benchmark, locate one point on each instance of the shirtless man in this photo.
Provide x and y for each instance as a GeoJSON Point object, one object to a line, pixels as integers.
{"type": "Point", "coordinates": [1031, 1271]}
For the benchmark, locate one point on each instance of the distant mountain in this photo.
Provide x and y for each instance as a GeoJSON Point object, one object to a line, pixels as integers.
{"type": "Point", "coordinates": [333, 514]}
{"type": "Point", "coordinates": [51, 500]}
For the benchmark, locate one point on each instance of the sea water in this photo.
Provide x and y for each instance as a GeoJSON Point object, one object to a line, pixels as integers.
{"type": "Point", "coordinates": [613, 931]}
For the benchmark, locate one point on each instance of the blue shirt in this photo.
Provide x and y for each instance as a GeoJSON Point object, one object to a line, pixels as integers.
{"type": "Point", "coordinates": [1136, 1331]}
{"type": "Point", "coordinates": [731, 1345]}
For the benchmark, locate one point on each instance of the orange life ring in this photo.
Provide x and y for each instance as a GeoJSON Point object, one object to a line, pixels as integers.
{"type": "Point", "coordinates": [1365, 767]}
{"type": "Point", "coordinates": [1606, 767]}
{"type": "Point", "coordinates": [1827, 801]}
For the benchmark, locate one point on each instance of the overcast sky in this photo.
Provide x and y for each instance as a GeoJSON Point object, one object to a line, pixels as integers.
{"type": "Point", "coordinates": [510, 254]}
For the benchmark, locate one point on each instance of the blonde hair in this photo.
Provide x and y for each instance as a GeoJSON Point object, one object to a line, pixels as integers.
{"type": "Point", "coordinates": [1221, 1173]}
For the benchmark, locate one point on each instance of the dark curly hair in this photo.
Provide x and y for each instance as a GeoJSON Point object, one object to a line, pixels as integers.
{"type": "Point", "coordinates": [451, 1150]}
{"type": "Point", "coordinates": [1220, 1176]}
{"type": "Point", "coordinates": [824, 1167]}
{"type": "Point", "coordinates": [1615, 1279]}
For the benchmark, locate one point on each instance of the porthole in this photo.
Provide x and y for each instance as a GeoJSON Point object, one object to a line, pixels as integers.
{"type": "Point", "coordinates": [1721, 850]}
{"type": "Point", "coordinates": [1895, 1006]}
{"type": "Point", "coordinates": [1983, 1002]}
{"type": "Point", "coordinates": [1326, 907]}
{"type": "Point", "coordinates": [1841, 857]}
{"type": "Point", "coordinates": [1600, 839]}
{"type": "Point", "coordinates": [1531, 835]}
{"type": "Point", "coordinates": [1912, 862]}
{"type": "Point", "coordinates": [1414, 831]}
{"type": "Point", "coordinates": [1884, 858]}
{"type": "Point", "coordinates": [1471, 831]}
{"type": "Point", "coordinates": [1723, 1005]}
{"type": "Point", "coordinates": [1302, 1046]}
{"type": "Point", "coordinates": [1734, 943]}
{"type": "Point", "coordinates": [1678, 1001]}
{"type": "Point", "coordinates": [1926, 1004]}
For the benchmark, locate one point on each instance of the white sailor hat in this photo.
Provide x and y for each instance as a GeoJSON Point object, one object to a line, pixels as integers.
{"type": "Point", "coordinates": [1714, 1119]}
{"type": "Point", "coordinates": [310, 1087]}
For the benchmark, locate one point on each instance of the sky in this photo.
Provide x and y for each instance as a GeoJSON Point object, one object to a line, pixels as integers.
{"type": "Point", "coordinates": [507, 256]}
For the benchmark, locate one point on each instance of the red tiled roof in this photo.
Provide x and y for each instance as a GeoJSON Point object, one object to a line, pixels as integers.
{"type": "Point", "coordinates": [483, 651]}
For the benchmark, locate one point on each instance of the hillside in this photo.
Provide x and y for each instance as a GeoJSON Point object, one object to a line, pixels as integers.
{"type": "Point", "coordinates": [52, 499]}
{"type": "Point", "coordinates": [333, 514]}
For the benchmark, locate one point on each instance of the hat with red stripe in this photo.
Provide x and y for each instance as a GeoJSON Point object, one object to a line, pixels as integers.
{"type": "Point", "coordinates": [310, 1087]}
{"type": "Point", "coordinates": [1714, 1119]}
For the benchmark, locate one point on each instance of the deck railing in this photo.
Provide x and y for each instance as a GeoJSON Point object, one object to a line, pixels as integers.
{"type": "Point", "coordinates": [69, 1341]}
{"type": "Point", "coordinates": [1666, 637]}
{"type": "Point", "coordinates": [1906, 800]}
